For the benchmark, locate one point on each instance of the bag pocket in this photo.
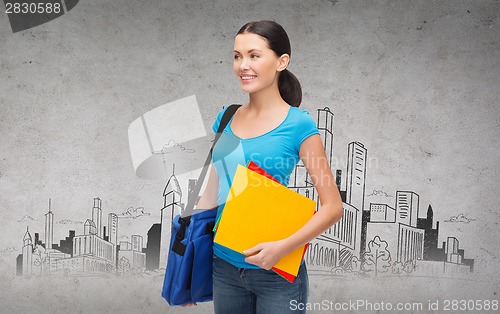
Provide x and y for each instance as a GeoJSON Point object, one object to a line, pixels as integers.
{"type": "Point", "coordinates": [177, 281]}
{"type": "Point", "coordinates": [201, 279]}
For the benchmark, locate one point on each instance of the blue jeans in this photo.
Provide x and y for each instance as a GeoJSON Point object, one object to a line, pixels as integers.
{"type": "Point", "coordinates": [256, 291]}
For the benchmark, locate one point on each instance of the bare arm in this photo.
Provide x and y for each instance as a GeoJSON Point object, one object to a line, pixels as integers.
{"type": "Point", "coordinates": [313, 156]}
{"type": "Point", "coordinates": [208, 199]}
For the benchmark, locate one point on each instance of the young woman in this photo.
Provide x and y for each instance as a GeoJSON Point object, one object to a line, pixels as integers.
{"type": "Point", "coordinates": [274, 133]}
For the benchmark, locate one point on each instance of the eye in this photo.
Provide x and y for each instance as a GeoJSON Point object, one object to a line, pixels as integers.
{"type": "Point", "coordinates": [254, 56]}
{"type": "Point", "coordinates": [236, 57]}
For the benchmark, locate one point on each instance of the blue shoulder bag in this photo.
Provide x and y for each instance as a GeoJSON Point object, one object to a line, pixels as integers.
{"type": "Point", "coordinates": [188, 275]}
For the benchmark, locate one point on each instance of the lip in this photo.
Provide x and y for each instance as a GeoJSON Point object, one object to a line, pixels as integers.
{"type": "Point", "coordinates": [247, 78]}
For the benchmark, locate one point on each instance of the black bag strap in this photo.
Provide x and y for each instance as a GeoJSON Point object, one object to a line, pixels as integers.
{"type": "Point", "coordinates": [185, 218]}
{"type": "Point", "coordinates": [224, 121]}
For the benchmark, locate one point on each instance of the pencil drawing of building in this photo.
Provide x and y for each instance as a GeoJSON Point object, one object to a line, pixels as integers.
{"type": "Point", "coordinates": [94, 251]}
{"type": "Point", "coordinates": [172, 195]}
{"type": "Point", "coordinates": [407, 238]}
{"type": "Point", "coordinates": [27, 254]}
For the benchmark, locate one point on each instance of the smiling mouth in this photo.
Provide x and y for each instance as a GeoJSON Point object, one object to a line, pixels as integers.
{"type": "Point", "coordinates": [247, 78]}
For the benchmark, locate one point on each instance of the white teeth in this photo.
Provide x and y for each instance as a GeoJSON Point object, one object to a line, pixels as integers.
{"type": "Point", "coordinates": [247, 77]}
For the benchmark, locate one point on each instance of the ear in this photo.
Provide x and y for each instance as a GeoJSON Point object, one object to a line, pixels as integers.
{"type": "Point", "coordinates": [283, 61]}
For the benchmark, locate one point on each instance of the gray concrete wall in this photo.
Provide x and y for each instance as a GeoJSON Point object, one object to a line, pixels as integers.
{"type": "Point", "coordinates": [416, 82]}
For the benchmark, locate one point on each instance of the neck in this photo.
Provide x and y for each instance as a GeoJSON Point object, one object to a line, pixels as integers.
{"type": "Point", "coordinates": [266, 99]}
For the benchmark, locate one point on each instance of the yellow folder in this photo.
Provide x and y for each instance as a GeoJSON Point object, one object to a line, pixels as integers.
{"type": "Point", "coordinates": [259, 209]}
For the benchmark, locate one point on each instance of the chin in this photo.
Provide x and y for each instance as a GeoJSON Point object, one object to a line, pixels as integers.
{"type": "Point", "coordinates": [252, 88]}
{"type": "Point", "coordinates": [247, 89]}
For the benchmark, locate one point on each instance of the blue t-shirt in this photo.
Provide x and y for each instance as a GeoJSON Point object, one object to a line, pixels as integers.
{"type": "Point", "coordinates": [276, 152]}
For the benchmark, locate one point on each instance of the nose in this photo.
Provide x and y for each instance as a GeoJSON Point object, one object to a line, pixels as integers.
{"type": "Point", "coordinates": [243, 64]}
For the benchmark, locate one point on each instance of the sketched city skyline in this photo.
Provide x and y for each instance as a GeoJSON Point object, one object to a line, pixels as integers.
{"type": "Point", "coordinates": [374, 238]}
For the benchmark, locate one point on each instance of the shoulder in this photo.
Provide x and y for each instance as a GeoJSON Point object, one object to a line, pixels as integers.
{"type": "Point", "coordinates": [299, 115]}
{"type": "Point", "coordinates": [224, 108]}
{"type": "Point", "coordinates": [299, 111]}
{"type": "Point", "coordinates": [218, 119]}
{"type": "Point", "coordinates": [302, 125]}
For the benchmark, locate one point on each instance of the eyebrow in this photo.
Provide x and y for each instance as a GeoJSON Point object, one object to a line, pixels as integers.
{"type": "Point", "coordinates": [249, 50]}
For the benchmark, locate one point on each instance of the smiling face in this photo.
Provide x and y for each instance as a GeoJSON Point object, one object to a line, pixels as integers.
{"type": "Point", "coordinates": [255, 64]}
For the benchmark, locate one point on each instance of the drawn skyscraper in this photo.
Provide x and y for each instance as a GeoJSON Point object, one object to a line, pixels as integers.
{"type": "Point", "coordinates": [171, 206]}
{"type": "Point", "coordinates": [452, 255]}
{"type": "Point", "coordinates": [324, 252]}
{"type": "Point", "coordinates": [397, 227]}
{"type": "Point", "coordinates": [431, 235]}
{"type": "Point", "coordinates": [133, 253]}
{"type": "Point", "coordinates": [356, 175]}
{"type": "Point", "coordinates": [325, 128]}
{"type": "Point", "coordinates": [137, 243]}
{"type": "Point", "coordinates": [97, 216]}
{"type": "Point", "coordinates": [49, 229]}
{"type": "Point", "coordinates": [90, 251]}
{"type": "Point", "coordinates": [113, 233]}
{"type": "Point", "coordinates": [153, 247]}
{"type": "Point", "coordinates": [301, 182]}
{"type": "Point", "coordinates": [27, 253]}
{"type": "Point", "coordinates": [89, 227]}
{"type": "Point", "coordinates": [407, 208]}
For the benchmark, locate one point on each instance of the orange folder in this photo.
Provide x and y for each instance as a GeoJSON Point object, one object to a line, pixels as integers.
{"type": "Point", "coordinates": [253, 166]}
{"type": "Point", "coordinates": [259, 209]}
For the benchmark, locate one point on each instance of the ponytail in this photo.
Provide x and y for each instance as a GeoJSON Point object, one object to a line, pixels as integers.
{"type": "Point", "coordinates": [289, 87]}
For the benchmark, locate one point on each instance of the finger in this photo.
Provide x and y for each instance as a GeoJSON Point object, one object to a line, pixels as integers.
{"type": "Point", "coordinates": [252, 250]}
{"type": "Point", "coordinates": [253, 259]}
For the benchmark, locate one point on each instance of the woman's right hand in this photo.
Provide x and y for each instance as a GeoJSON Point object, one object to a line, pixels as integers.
{"type": "Point", "coordinates": [189, 304]}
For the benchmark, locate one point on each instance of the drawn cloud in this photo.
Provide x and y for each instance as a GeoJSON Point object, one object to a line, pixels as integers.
{"type": "Point", "coordinates": [460, 218]}
{"type": "Point", "coordinates": [67, 221]}
{"type": "Point", "coordinates": [379, 193]}
{"type": "Point", "coordinates": [8, 250]}
{"type": "Point", "coordinates": [134, 213]}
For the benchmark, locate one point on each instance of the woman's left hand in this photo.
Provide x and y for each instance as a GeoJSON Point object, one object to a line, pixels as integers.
{"type": "Point", "coordinates": [265, 254]}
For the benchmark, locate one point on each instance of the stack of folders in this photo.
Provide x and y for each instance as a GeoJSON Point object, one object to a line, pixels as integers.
{"type": "Point", "coordinates": [260, 209]}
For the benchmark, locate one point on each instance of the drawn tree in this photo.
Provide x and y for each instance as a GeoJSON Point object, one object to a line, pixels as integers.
{"type": "Point", "coordinates": [355, 264]}
{"type": "Point", "coordinates": [409, 266]}
{"type": "Point", "coordinates": [124, 266]}
{"type": "Point", "coordinates": [397, 268]}
{"type": "Point", "coordinates": [37, 265]}
{"type": "Point", "coordinates": [40, 260]}
{"type": "Point", "coordinates": [377, 258]}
